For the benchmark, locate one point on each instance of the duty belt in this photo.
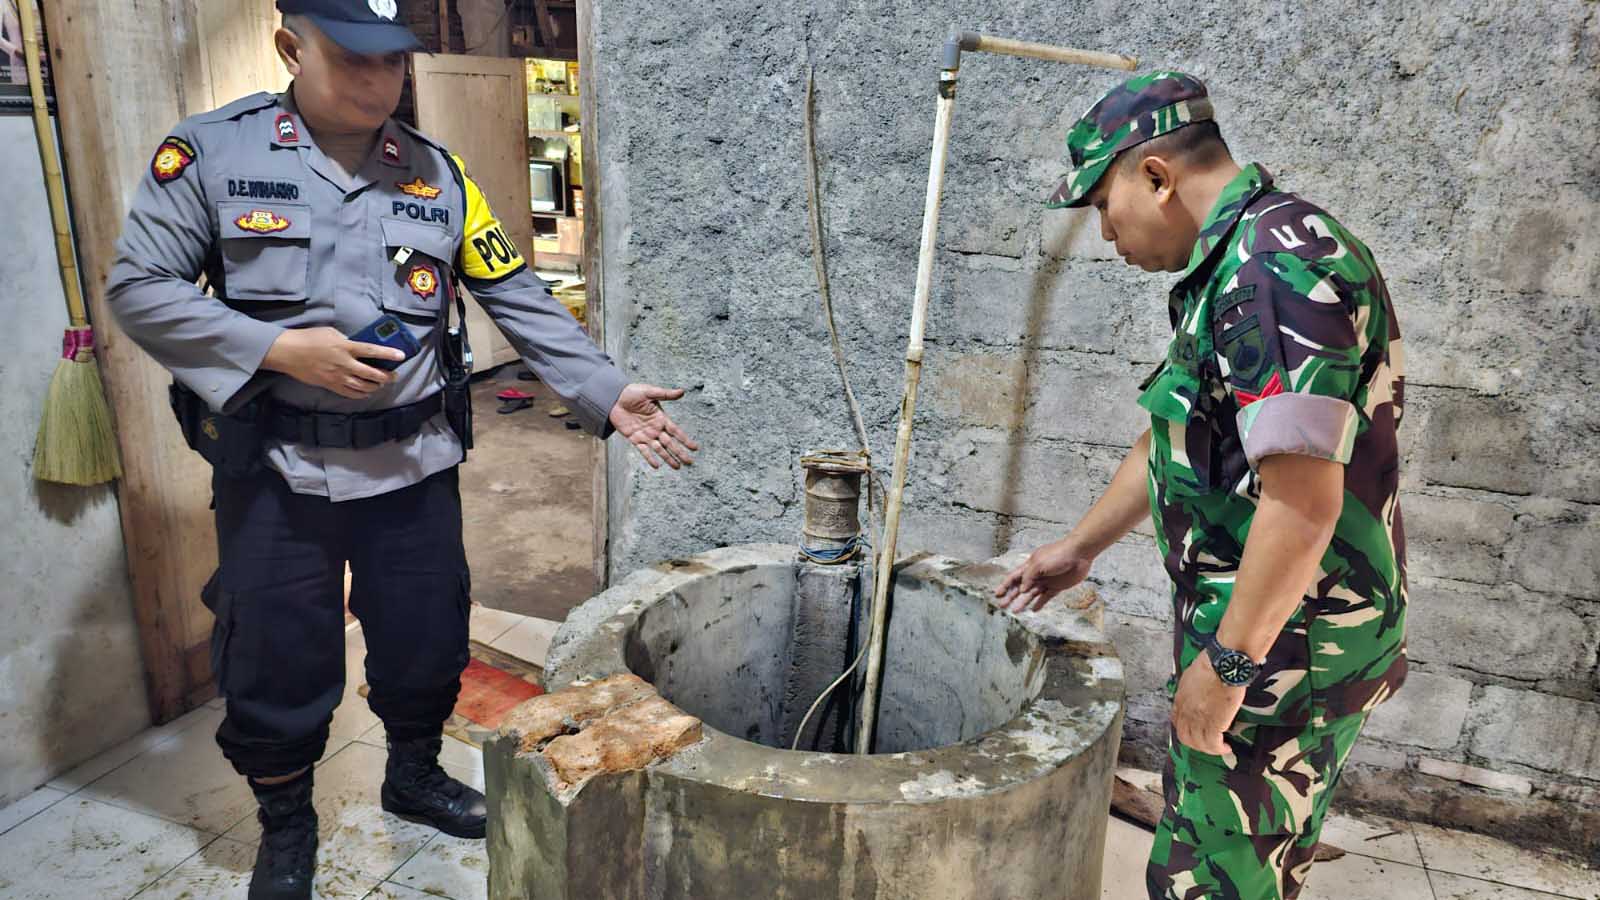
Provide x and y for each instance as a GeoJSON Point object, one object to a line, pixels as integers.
{"type": "Point", "coordinates": [353, 431]}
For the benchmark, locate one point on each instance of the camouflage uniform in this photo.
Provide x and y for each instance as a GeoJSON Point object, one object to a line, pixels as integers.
{"type": "Point", "coordinates": [1285, 341]}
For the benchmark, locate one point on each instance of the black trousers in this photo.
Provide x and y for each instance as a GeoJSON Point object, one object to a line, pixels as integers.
{"type": "Point", "coordinates": [277, 648]}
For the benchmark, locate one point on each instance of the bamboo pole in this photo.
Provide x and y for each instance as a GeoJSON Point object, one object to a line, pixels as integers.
{"type": "Point", "coordinates": [883, 572]}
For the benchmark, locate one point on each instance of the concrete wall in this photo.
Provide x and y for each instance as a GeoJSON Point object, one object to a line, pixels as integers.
{"type": "Point", "coordinates": [1454, 137]}
{"type": "Point", "coordinates": [71, 679]}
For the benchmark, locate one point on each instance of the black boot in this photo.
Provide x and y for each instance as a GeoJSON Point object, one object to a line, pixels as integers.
{"type": "Point", "coordinates": [286, 861]}
{"type": "Point", "coordinates": [416, 789]}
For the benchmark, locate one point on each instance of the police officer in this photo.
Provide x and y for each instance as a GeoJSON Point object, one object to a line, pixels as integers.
{"type": "Point", "coordinates": [309, 215]}
{"type": "Point", "coordinates": [1271, 469]}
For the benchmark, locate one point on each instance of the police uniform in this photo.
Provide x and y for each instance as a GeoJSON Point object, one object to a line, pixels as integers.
{"type": "Point", "coordinates": [1285, 342]}
{"type": "Point", "coordinates": [285, 239]}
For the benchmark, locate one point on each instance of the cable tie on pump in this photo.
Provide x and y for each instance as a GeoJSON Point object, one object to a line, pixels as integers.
{"type": "Point", "coordinates": [833, 556]}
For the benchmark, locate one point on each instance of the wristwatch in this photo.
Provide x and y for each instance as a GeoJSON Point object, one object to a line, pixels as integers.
{"type": "Point", "coordinates": [1234, 668]}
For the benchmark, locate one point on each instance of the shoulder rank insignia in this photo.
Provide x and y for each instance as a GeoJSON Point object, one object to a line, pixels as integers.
{"type": "Point", "coordinates": [286, 130]}
{"type": "Point", "coordinates": [391, 150]}
{"type": "Point", "coordinates": [419, 188]}
{"type": "Point", "coordinates": [262, 222]}
{"type": "Point", "coordinates": [171, 159]}
{"type": "Point", "coordinates": [423, 281]}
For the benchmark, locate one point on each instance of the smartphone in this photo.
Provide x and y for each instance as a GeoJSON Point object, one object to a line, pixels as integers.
{"type": "Point", "coordinates": [388, 331]}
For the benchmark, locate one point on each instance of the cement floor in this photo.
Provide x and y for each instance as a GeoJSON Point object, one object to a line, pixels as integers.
{"type": "Point", "coordinates": [527, 504]}
{"type": "Point", "coordinates": [164, 816]}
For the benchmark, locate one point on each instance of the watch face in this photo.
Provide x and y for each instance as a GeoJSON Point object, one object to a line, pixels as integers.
{"type": "Point", "coordinates": [1235, 668]}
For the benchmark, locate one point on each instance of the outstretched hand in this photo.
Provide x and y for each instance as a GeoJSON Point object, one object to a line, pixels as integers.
{"type": "Point", "coordinates": [1046, 572]}
{"type": "Point", "coordinates": [638, 416]}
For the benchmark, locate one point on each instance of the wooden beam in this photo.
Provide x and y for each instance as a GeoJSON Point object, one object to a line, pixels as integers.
{"type": "Point", "coordinates": [98, 47]}
{"type": "Point", "coordinates": [594, 292]}
{"type": "Point", "coordinates": [444, 26]}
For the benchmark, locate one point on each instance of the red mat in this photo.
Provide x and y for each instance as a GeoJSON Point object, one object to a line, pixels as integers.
{"type": "Point", "coordinates": [488, 693]}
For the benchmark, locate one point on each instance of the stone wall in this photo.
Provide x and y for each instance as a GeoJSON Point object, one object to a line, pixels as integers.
{"type": "Point", "coordinates": [71, 676]}
{"type": "Point", "coordinates": [1454, 137]}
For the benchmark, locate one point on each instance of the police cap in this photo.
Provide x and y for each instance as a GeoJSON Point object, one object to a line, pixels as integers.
{"type": "Point", "coordinates": [360, 26]}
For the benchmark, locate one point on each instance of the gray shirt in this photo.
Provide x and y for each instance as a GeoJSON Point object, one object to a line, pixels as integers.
{"type": "Point", "coordinates": [286, 239]}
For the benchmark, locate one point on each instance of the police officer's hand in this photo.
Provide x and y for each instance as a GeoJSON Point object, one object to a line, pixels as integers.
{"type": "Point", "coordinates": [638, 416]}
{"type": "Point", "coordinates": [327, 359]}
{"type": "Point", "coordinates": [1046, 572]}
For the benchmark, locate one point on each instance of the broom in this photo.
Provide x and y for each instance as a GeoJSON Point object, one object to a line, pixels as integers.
{"type": "Point", "coordinates": [76, 444]}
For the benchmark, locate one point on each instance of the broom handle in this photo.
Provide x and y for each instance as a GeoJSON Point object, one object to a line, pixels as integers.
{"type": "Point", "coordinates": [883, 574]}
{"type": "Point", "coordinates": [77, 316]}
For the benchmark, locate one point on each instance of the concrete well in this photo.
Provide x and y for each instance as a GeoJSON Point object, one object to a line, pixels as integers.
{"type": "Point", "coordinates": [995, 751]}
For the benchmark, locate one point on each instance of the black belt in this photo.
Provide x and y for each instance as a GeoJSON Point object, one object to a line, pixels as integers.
{"type": "Point", "coordinates": [354, 431]}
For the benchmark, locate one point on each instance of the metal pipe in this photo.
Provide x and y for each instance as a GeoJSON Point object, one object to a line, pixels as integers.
{"type": "Point", "coordinates": [1005, 46]}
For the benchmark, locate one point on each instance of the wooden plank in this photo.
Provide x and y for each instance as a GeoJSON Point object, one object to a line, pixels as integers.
{"type": "Point", "coordinates": [592, 270]}
{"type": "Point", "coordinates": [98, 48]}
{"type": "Point", "coordinates": [444, 26]}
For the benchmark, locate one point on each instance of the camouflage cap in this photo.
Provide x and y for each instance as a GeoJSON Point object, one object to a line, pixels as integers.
{"type": "Point", "coordinates": [1135, 111]}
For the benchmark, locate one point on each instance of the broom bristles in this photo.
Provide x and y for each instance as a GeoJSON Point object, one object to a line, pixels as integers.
{"type": "Point", "coordinates": [76, 442]}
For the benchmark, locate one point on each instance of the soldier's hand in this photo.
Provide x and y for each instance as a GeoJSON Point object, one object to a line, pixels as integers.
{"type": "Point", "coordinates": [1204, 707]}
{"type": "Point", "coordinates": [324, 358]}
{"type": "Point", "coordinates": [638, 416]}
{"type": "Point", "coordinates": [1046, 572]}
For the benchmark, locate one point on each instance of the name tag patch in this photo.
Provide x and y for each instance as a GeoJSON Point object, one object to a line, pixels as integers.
{"type": "Point", "coordinates": [261, 189]}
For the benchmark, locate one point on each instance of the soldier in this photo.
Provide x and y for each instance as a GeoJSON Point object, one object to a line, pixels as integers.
{"type": "Point", "coordinates": [1271, 470]}
{"type": "Point", "coordinates": [310, 214]}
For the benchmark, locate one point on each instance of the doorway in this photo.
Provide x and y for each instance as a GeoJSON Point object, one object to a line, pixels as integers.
{"type": "Point", "coordinates": [511, 109]}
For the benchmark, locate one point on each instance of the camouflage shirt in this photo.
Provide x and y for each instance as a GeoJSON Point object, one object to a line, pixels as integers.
{"type": "Point", "coordinates": [1284, 341]}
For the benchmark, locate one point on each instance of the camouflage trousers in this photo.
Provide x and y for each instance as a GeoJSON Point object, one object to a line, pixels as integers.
{"type": "Point", "coordinates": [1244, 825]}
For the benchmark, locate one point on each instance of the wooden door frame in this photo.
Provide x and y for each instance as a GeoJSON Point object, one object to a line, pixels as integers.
{"type": "Point", "coordinates": [98, 48]}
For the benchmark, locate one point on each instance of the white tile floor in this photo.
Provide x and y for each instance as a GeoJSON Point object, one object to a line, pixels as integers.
{"type": "Point", "coordinates": [163, 817]}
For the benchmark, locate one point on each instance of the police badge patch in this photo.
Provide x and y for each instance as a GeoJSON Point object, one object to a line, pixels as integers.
{"type": "Point", "coordinates": [262, 221]}
{"type": "Point", "coordinates": [418, 188]}
{"type": "Point", "coordinates": [423, 281]}
{"type": "Point", "coordinates": [171, 159]}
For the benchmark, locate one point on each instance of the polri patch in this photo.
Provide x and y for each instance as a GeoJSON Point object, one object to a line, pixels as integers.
{"type": "Point", "coordinates": [423, 281]}
{"type": "Point", "coordinates": [172, 158]}
{"type": "Point", "coordinates": [419, 188]}
{"type": "Point", "coordinates": [262, 221]}
{"type": "Point", "coordinates": [287, 133]}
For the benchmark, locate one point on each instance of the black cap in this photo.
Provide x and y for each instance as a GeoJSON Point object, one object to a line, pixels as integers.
{"type": "Point", "coordinates": [360, 26]}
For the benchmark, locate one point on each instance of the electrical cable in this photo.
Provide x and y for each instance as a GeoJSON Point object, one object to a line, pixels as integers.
{"type": "Point", "coordinates": [819, 262]}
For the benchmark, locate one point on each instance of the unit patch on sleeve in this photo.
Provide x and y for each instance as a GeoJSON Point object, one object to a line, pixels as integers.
{"type": "Point", "coordinates": [171, 159]}
{"type": "Point", "coordinates": [262, 221]}
{"type": "Point", "coordinates": [423, 281]}
{"type": "Point", "coordinates": [419, 188]}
